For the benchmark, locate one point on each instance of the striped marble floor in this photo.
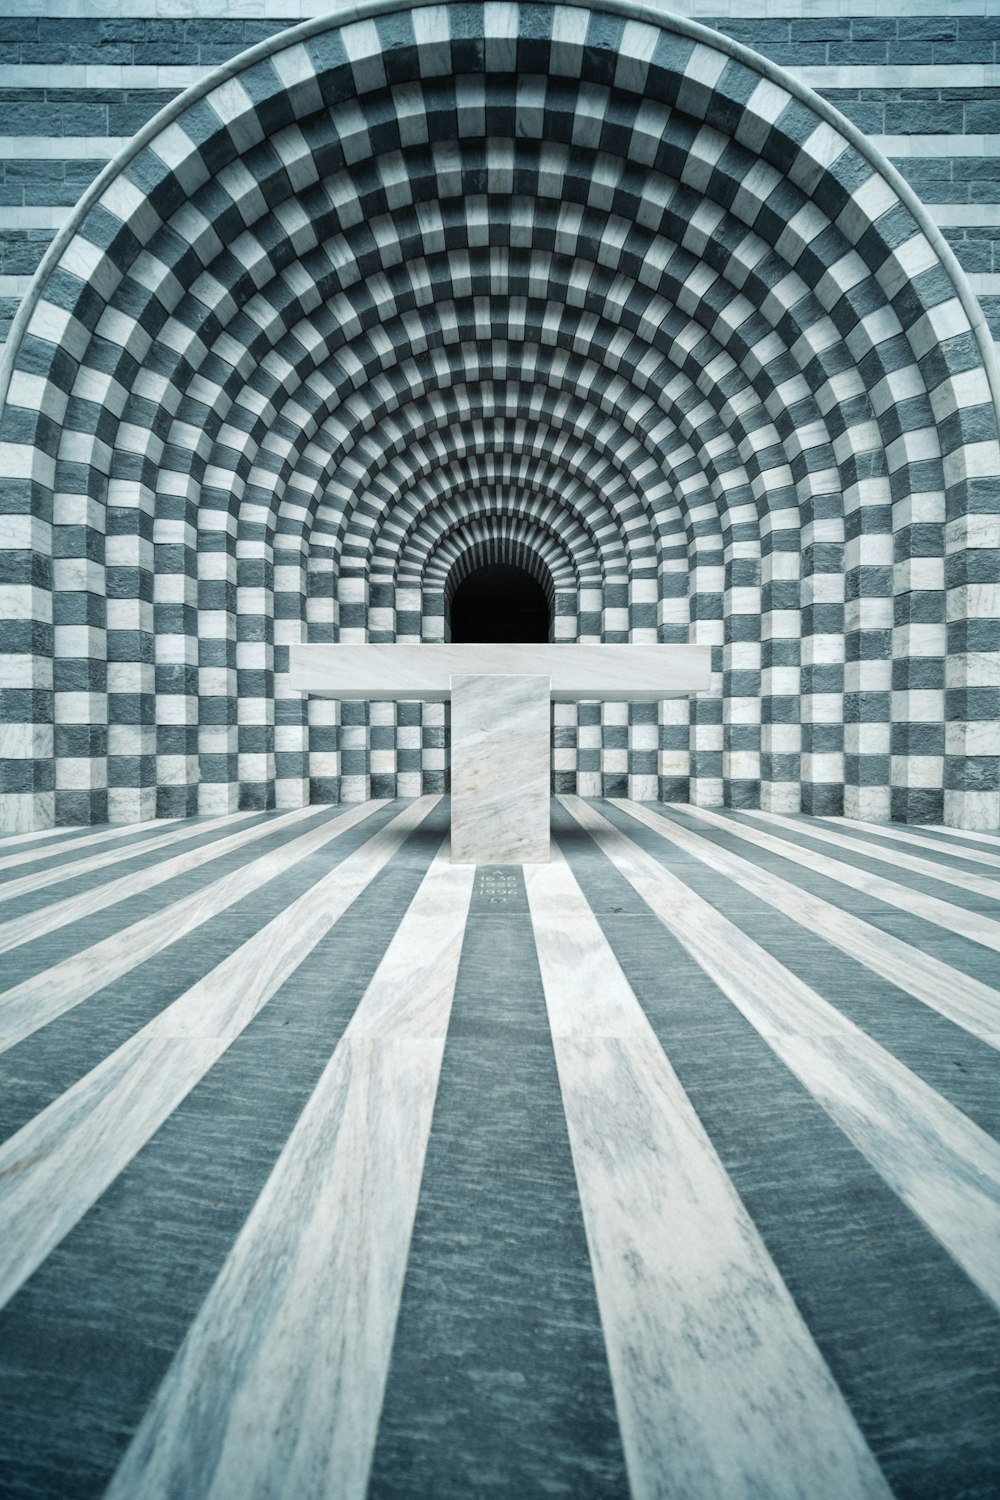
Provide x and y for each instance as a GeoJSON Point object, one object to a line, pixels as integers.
{"type": "Point", "coordinates": [331, 1170]}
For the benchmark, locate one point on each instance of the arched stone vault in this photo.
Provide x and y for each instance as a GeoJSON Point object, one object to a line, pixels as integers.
{"type": "Point", "coordinates": [583, 286]}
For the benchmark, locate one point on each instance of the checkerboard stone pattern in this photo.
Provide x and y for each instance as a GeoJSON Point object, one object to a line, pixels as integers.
{"type": "Point", "coordinates": [605, 297]}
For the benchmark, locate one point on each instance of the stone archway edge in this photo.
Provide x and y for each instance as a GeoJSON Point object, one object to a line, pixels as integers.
{"type": "Point", "coordinates": [630, 10]}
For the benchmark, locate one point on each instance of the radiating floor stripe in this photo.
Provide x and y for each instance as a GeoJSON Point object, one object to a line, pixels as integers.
{"type": "Point", "coordinates": [963, 923]}
{"type": "Point", "coordinates": [941, 1164]}
{"type": "Point", "coordinates": [55, 1168]}
{"type": "Point", "coordinates": [978, 885]}
{"type": "Point", "coordinates": [53, 991]}
{"type": "Point", "coordinates": [61, 842]}
{"type": "Point", "coordinates": [499, 1383]}
{"type": "Point", "coordinates": [961, 999]}
{"type": "Point", "coordinates": [954, 1062]}
{"type": "Point", "coordinates": [909, 837]}
{"type": "Point", "coordinates": [32, 925]}
{"type": "Point", "coordinates": [961, 835]}
{"type": "Point", "coordinates": [912, 1343]}
{"type": "Point", "coordinates": [278, 1386]}
{"type": "Point", "coordinates": [86, 1342]}
{"type": "Point", "coordinates": [720, 1388]}
{"type": "Point", "coordinates": [71, 870]}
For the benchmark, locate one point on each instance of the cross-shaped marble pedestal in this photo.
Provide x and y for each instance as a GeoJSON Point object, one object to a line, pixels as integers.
{"type": "Point", "coordinates": [500, 697]}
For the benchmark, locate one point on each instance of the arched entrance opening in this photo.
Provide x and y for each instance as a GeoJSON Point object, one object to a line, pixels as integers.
{"type": "Point", "coordinates": [499, 602]}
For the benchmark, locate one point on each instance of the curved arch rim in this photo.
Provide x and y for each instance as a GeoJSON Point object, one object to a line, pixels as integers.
{"type": "Point", "coordinates": [633, 10]}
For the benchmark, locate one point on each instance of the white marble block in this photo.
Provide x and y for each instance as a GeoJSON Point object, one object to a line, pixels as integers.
{"type": "Point", "coordinates": [499, 770]}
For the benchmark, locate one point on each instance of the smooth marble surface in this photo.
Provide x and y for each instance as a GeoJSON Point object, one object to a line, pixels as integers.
{"type": "Point", "coordinates": [41, 879]}
{"type": "Point", "coordinates": [961, 998]}
{"type": "Point", "coordinates": [54, 1168]}
{"type": "Point", "coordinates": [720, 1388]}
{"type": "Point", "coordinates": [640, 672]}
{"type": "Point", "coordinates": [977, 885]}
{"type": "Point", "coordinates": [29, 926]}
{"type": "Point", "coordinates": [912, 1343]}
{"type": "Point", "coordinates": [499, 1384]}
{"type": "Point", "coordinates": [963, 923]}
{"type": "Point", "coordinates": [911, 837]}
{"type": "Point", "coordinates": [67, 841]}
{"type": "Point", "coordinates": [945, 1167]}
{"type": "Point", "coordinates": [500, 734]}
{"type": "Point", "coordinates": [803, 1091]}
{"type": "Point", "coordinates": [40, 998]}
{"type": "Point", "coordinates": [278, 1386]}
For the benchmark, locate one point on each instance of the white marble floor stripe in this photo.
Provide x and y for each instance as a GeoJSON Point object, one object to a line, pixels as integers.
{"type": "Point", "coordinates": [934, 1157]}
{"type": "Point", "coordinates": [39, 999]}
{"type": "Point", "coordinates": [31, 925]}
{"type": "Point", "coordinates": [963, 835]}
{"type": "Point", "coordinates": [967, 924]}
{"type": "Point", "coordinates": [62, 836]}
{"type": "Point", "coordinates": [43, 879]}
{"type": "Point", "coordinates": [56, 1167]}
{"type": "Point", "coordinates": [910, 837]}
{"type": "Point", "coordinates": [719, 1386]}
{"type": "Point", "coordinates": [278, 1386]}
{"type": "Point", "coordinates": [965, 1001]}
{"type": "Point", "coordinates": [78, 838]}
{"type": "Point", "coordinates": [977, 885]}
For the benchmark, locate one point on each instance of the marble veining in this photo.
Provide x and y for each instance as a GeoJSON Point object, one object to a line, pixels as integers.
{"type": "Point", "coordinates": [278, 1386]}
{"type": "Point", "coordinates": [967, 924]}
{"type": "Point", "coordinates": [41, 997]}
{"type": "Point", "coordinates": [68, 840]}
{"type": "Point", "coordinates": [979, 885]}
{"type": "Point", "coordinates": [500, 769]}
{"type": "Point", "coordinates": [719, 1386]}
{"type": "Point", "coordinates": [743, 1225]}
{"type": "Point", "coordinates": [909, 837]}
{"type": "Point", "coordinates": [933, 1156]}
{"type": "Point", "coordinates": [42, 879]}
{"type": "Point", "coordinates": [86, 1136]}
{"type": "Point", "coordinates": [961, 998]}
{"type": "Point", "coordinates": [35, 924]}
{"type": "Point", "coordinates": [640, 671]}
{"type": "Point", "coordinates": [959, 836]}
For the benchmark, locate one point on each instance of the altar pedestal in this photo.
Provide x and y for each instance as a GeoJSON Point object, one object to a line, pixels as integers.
{"type": "Point", "coordinates": [500, 770]}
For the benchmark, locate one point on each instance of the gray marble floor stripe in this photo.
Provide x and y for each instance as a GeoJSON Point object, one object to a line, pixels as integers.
{"type": "Point", "coordinates": [57, 1165]}
{"type": "Point", "coordinates": [87, 1341]}
{"type": "Point", "coordinates": [970, 925]}
{"type": "Point", "coordinates": [910, 838]}
{"type": "Point", "coordinates": [912, 1343]}
{"type": "Point", "coordinates": [865, 852]}
{"type": "Point", "coordinates": [963, 835]}
{"type": "Point", "coordinates": [11, 841]}
{"type": "Point", "coordinates": [962, 954]}
{"type": "Point", "coordinates": [54, 990]}
{"type": "Point", "coordinates": [952, 1061]}
{"type": "Point", "coordinates": [941, 1164]}
{"type": "Point", "coordinates": [61, 843]}
{"type": "Point", "coordinates": [54, 1057]}
{"type": "Point", "coordinates": [278, 1386]}
{"type": "Point", "coordinates": [188, 828]}
{"type": "Point", "coordinates": [716, 1394]}
{"type": "Point", "coordinates": [965, 1001]}
{"type": "Point", "coordinates": [499, 1383]}
{"type": "Point", "coordinates": [30, 926]}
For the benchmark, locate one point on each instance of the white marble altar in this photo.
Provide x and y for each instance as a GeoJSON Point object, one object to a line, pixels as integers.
{"type": "Point", "coordinates": [500, 694]}
{"type": "Point", "coordinates": [500, 770]}
{"type": "Point", "coordinates": [641, 672]}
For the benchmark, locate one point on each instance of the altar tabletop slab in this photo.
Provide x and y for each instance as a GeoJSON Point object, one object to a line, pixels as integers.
{"type": "Point", "coordinates": [373, 672]}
